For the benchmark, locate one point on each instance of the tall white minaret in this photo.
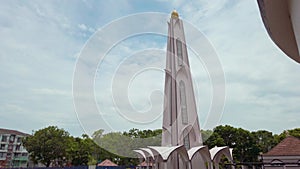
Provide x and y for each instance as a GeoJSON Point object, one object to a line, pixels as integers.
{"type": "Point", "coordinates": [182, 146]}
{"type": "Point", "coordinates": [180, 119]}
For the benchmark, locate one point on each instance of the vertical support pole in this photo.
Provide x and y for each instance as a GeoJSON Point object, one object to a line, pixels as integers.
{"type": "Point", "coordinates": [147, 161]}
{"type": "Point", "coordinates": [212, 164]}
{"type": "Point", "coordinates": [190, 164]}
{"type": "Point", "coordinates": [165, 165]}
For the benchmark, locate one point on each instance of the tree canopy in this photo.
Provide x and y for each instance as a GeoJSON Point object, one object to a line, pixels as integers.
{"type": "Point", "coordinates": [48, 145]}
{"type": "Point", "coordinates": [121, 145]}
{"type": "Point", "coordinates": [55, 146]}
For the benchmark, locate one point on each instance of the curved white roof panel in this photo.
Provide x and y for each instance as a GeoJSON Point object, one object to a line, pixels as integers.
{"type": "Point", "coordinates": [141, 153]}
{"type": "Point", "coordinates": [214, 151]}
{"type": "Point", "coordinates": [165, 152]}
{"type": "Point", "coordinates": [148, 151]}
{"type": "Point", "coordinates": [194, 150]}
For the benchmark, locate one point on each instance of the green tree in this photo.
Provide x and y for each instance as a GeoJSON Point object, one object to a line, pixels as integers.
{"type": "Point", "coordinates": [48, 146]}
{"type": "Point", "coordinates": [242, 142]}
{"type": "Point", "coordinates": [109, 146]}
{"type": "Point", "coordinates": [206, 134]}
{"type": "Point", "coordinates": [214, 140]}
{"type": "Point", "coordinates": [136, 133]}
{"type": "Point", "coordinates": [246, 149]}
{"type": "Point", "coordinates": [119, 147]}
{"type": "Point", "coordinates": [117, 143]}
{"type": "Point", "coordinates": [292, 132]}
{"type": "Point", "coordinates": [264, 140]}
{"type": "Point", "coordinates": [97, 134]}
{"type": "Point", "coordinates": [80, 150]}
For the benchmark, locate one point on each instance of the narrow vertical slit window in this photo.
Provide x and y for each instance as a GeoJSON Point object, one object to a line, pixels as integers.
{"type": "Point", "coordinates": [170, 103]}
{"type": "Point", "coordinates": [183, 103]}
{"type": "Point", "coordinates": [186, 141]}
{"type": "Point", "coordinates": [179, 52]}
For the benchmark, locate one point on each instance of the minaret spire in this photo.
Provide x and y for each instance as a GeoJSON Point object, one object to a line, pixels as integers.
{"type": "Point", "coordinates": [174, 14]}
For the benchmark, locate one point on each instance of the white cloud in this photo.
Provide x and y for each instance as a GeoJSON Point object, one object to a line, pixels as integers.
{"type": "Point", "coordinates": [82, 27]}
{"type": "Point", "coordinates": [85, 28]}
{"type": "Point", "coordinates": [48, 91]}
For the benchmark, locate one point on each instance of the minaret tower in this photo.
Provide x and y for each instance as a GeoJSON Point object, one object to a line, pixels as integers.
{"type": "Point", "coordinates": [180, 119]}
{"type": "Point", "coordinates": [182, 146]}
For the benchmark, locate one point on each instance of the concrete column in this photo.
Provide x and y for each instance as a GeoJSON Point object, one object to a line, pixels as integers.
{"type": "Point", "coordinates": [190, 164]}
{"type": "Point", "coordinates": [165, 164]}
{"type": "Point", "coordinates": [147, 162]}
{"type": "Point", "coordinates": [211, 165]}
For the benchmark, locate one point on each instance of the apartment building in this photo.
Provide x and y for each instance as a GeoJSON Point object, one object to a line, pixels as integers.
{"type": "Point", "coordinates": [12, 152]}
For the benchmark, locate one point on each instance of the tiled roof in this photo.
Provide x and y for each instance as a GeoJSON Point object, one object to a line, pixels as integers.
{"type": "Point", "coordinates": [8, 131]}
{"type": "Point", "coordinates": [290, 146]}
{"type": "Point", "coordinates": [107, 163]}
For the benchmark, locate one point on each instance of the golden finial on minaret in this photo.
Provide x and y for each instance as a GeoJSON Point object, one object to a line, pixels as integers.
{"type": "Point", "coordinates": [174, 14]}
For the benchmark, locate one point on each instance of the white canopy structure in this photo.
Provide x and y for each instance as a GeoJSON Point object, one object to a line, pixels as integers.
{"type": "Point", "coordinates": [162, 155]}
{"type": "Point", "coordinates": [196, 156]}
{"type": "Point", "coordinates": [147, 152]}
{"type": "Point", "coordinates": [200, 155]}
{"type": "Point", "coordinates": [203, 150]}
{"type": "Point", "coordinates": [165, 152]}
{"type": "Point", "coordinates": [217, 153]}
{"type": "Point", "coordinates": [141, 155]}
{"type": "Point", "coordinates": [149, 157]}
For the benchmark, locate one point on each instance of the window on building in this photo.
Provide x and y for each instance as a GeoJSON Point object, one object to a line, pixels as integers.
{"type": "Point", "coordinates": [4, 139]}
{"type": "Point", "coordinates": [277, 162]}
{"type": "Point", "coordinates": [2, 155]}
{"type": "Point", "coordinates": [179, 51]}
{"type": "Point", "coordinates": [12, 138]}
{"type": "Point", "coordinates": [183, 102]}
{"type": "Point", "coordinates": [8, 154]}
{"type": "Point", "coordinates": [19, 140]}
{"type": "Point", "coordinates": [186, 140]}
{"type": "Point", "coordinates": [2, 147]}
{"type": "Point", "coordinates": [10, 147]}
{"type": "Point", "coordinates": [170, 103]}
{"type": "Point", "coordinates": [16, 155]}
{"type": "Point", "coordinates": [18, 147]}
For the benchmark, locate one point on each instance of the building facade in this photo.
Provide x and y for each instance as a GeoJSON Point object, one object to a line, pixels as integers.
{"type": "Point", "coordinates": [285, 155]}
{"type": "Point", "coordinates": [12, 152]}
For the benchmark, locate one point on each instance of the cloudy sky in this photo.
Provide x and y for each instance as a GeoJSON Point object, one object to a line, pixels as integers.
{"type": "Point", "coordinates": [42, 40]}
